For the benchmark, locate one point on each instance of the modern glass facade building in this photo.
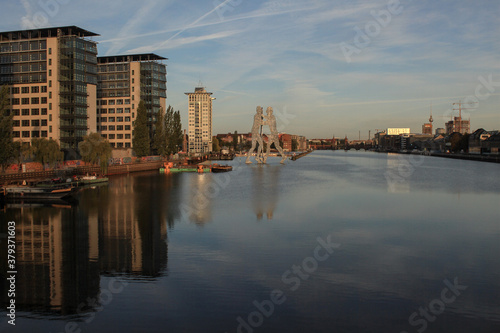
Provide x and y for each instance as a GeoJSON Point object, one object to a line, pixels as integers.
{"type": "Point", "coordinates": [123, 81]}
{"type": "Point", "coordinates": [52, 74]}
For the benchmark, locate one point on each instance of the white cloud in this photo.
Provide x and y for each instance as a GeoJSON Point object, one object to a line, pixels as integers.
{"type": "Point", "coordinates": [178, 42]}
{"type": "Point", "coordinates": [140, 18]}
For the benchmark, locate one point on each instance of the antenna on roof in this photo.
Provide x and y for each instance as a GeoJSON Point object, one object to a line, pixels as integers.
{"type": "Point", "coordinates": [430, 118]}
{"type": "Point", "coordinates": [200, 83]}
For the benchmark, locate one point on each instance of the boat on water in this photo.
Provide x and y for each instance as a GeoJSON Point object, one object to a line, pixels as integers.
{"type": "Point", "coordinates": [35, 193]}
{"type": "Point", "coordinates": [169, 167]}
{"type": "Point", "coordinates": [200, 168]}
{"type": "Point", "coordinates": [90, 180]}
{"type": "Point", "coordinates": [221, 168]}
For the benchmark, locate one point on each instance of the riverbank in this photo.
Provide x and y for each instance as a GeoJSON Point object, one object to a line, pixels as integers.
{"type": "Point", "coordinates": [81, 170]}
{"type": "Point", "coordinates": [469, 157]}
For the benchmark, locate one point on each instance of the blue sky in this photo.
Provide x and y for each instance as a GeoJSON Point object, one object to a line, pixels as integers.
{"type": "Point", "coordinates": [327, 67]}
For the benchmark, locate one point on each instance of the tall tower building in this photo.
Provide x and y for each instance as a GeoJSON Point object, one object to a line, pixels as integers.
{"type": "Point", "coordinates": [124, 81]}
{"type": "Point", "coordinates": [52, 74]}
{"type": "Point", "coordinates": [427, 128]}
{"type": "Point", "coordinates": [200, 121]}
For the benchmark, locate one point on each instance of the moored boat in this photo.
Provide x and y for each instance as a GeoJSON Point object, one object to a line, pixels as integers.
{"type": "Point", "coordinates": [30, 192]}
{"type": "Point", "coordinates": [221, 168]}
{"type": "Point", "coordinates": [91, 180]}
{"type": "Point", "coordinates": [170, 167]}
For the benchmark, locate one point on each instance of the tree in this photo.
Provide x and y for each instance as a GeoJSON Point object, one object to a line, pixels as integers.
{"type": "Point", "coordinates": [455, 139]}
{"type": "Point", "coordinates": [7, 146]}
{"type": "Point", "coordinates": [464, 143]}
{"type": "Point", "coordinates": [169, 130]}
{"type": "Point", "coordinates": [235, 140]}
{"type": "Point", "coordinates": [173, 130]}
{"type": "Point", "coordinates": [96, 150]}
{"type": "Point", "coordinates": [177, 131]}
{"type": "Point", "coordinates": [45, 151]}
{"type": "Point", "coordinates": [141, 139]}
{"type": "Point", "coordinates": [215, 144]}
{"type": "Point", "coordinates": [295, 145]}
{"type": "Point", "coordinates": [160, 138]}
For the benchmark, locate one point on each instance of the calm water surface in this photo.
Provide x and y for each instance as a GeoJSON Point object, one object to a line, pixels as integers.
{"type": "Point", "coordinates": [333, 242]}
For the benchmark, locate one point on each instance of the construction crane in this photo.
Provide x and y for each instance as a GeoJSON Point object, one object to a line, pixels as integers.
{"type": "Point", "coordinates": [460, 108]}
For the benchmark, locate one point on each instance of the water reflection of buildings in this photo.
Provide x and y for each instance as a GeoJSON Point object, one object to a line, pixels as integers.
{"type": "Point", "coordinates": [202, 189]}
{"type": "Point", "coordinates": [265, 180]}
{"type": "Point", "coordinates": [54, 271]}
{"type": "Point", "coordinates": [398, 173]}
{"type": "Point", "coordinates": [62, 252]}
{"type": "Point", "coordinates": [132, 233]}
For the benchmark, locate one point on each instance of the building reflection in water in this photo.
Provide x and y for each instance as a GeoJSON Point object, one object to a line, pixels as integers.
{"type": "Point", "coordinates": [119, 229]}
{"type": "Point", "coordinates": [131, 227]}
{"type": "Point", "coordinates": [55, 273]}
{"type": "Point", "coordinates": [202, 190]}
{"type": "Point", "coordinates": [398, 173]}
{"type": "Point", "coordinates": [264, 182]}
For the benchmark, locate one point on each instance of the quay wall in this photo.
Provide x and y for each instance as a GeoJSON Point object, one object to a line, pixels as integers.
{"type": "Point", "coordinates": [81, 170]}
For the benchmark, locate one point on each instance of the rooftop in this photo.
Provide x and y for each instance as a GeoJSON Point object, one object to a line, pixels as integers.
{"type": "Point", "coordinates": [129, 58]}
{"type": "Point", "coordinates": [46, 33]}
{"type": "Point", "coordinates": [199, 90]}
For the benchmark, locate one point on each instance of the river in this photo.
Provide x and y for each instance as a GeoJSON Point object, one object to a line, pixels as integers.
{"type": "Point", "coordinates": [333, 242]}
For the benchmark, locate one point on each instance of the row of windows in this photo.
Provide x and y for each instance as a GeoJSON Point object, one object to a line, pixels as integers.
{"type": "Point", "coordinates": [114, 85]}
{"type": "Point", "coordinates": [26, 90]}
{"type": "Point", "coordinates": [127, 136]}
{"type": "Point", "coordinates": [120, 145]}
{"type": "Point", "coordinates": [26, 122]}
{"type": "Point", "coordinates": [24, 46]}
{"type": "Point", "coordinates": [26, 101]}
{"type": "Point", "coordinates": [23, 68]}
{"type": "Point", "coordinates": [114, 128]}
{"type": "Point", "coordinates": [153, 67]}
{"type": "Point", "coordinates": [112, 119]}
{"type": "Point", "coordinates": [113, 102]}
{"type": "Point", "coordinates": [199, 97]}
{"type": "Point", "coordinates": [79, 44]}
{"type": "Point", "coordinates": [119, 110]}
{"type": "Point", "coordinates": [114, 68]}
{"type": "Point", "coordinates": [23, 78]}
{"type": "Point", "coordinates": [23, 57]}
{"type": "Point", "coordinates": [114, 93]}
{"type": "Point", "coordinates": [114, 77]}
{"type": "Point", "coordinates": [32, 134]}
{"type": "Point", "coordinates": [26, 112]}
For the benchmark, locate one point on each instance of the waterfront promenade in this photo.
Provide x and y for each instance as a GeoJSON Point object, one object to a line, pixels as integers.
{"type": "Point", "coordinates": [80, 170]}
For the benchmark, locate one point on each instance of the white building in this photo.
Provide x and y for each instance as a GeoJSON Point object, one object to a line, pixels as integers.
{"type": "Point", "coordinates": [398, 131]}
{"type": "Point", "coordinates": [200, 121]}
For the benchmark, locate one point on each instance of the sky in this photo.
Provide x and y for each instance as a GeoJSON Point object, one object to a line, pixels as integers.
{"type": "Point", "coordinates": [327, 67]}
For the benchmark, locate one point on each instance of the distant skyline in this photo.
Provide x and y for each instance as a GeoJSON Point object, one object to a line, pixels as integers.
{"type": "Point", "coordinates": [329, 67]}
